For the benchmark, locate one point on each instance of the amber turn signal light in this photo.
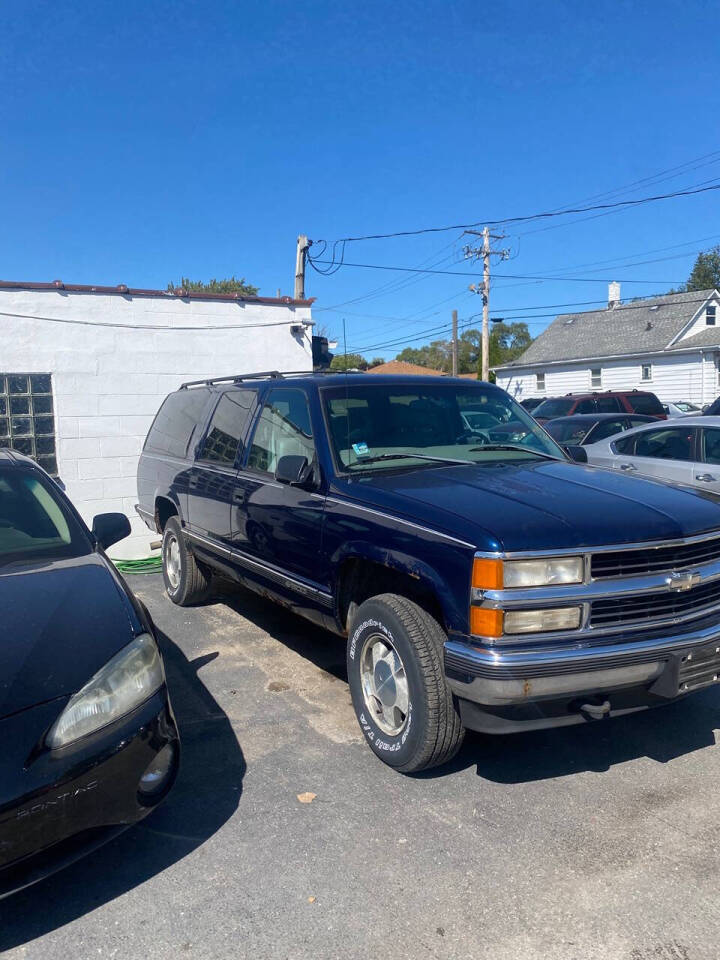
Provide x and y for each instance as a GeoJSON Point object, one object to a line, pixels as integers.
{"type": "Point", "coordinates": [487, 574]}
{"type": "Point", "coordinates": [485, 622]}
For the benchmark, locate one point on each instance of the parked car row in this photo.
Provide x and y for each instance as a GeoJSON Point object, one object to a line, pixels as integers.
{"type": "Point", "coordinates": [482, 580]}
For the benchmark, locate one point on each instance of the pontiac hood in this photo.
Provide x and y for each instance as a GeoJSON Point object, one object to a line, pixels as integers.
{"type": "Point", "coordinates": [60, 623]}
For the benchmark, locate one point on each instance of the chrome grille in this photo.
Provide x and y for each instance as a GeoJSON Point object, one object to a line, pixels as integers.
{"type": "Point", "coordinates": [626, 563]}
{"type": "Point", "coordinates": [654, 606]}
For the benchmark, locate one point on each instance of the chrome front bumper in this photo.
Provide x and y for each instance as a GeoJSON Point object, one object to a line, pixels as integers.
{"type": "Point", "coordinates": [495, 676]}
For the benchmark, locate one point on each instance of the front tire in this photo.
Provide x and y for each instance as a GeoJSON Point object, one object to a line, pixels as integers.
{"type": "Point", "coordinates": [186, 582]}
{"type": "Point", "coordinates": [397, 683]}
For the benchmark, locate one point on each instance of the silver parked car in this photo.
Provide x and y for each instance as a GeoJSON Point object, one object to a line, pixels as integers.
{"type": "Point", "coordinates": [686, 451]}
{"type": "Point", "coordinates": [681, 408]}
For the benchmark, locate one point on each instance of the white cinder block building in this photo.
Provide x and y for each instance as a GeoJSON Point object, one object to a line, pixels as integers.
{"type": "Point", "coordinates": [83, 371]}
{"type": "Point", "coordinates": [668, 345]}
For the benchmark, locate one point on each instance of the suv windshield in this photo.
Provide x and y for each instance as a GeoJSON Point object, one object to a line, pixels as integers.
{"type": "Point", "coordinates": [554, 407]}
{"type": "Point", "coordinates": [387, 426]}
{"type": "Point", "coordinates": [34, 524]}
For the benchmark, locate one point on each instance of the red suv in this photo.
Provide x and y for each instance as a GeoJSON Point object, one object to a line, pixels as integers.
{"type": "Point", "coordinates": [612, 401]}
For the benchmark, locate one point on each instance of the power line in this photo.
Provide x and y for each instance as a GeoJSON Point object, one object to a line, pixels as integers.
{"type": "Point", "coordinates": [474, 273]}
{"type": "Point", "coordinates": [531, 319]}
{"type": "Point", "coordinates": [528, 217]}
{"type": "Point", "coordinates": [145, 326]}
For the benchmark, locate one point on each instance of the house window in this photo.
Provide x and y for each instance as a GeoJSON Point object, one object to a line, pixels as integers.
{"type": "Point", "coordinates": [646, 371]}
{"type": "Point", "coordinates": [710, 313]}
{"type": "Point", "coordinates": [540, 381]}
{"type": "Point", "coordinates": [27, 423]}
{"type": "Point", "coordinates": [596, 377]}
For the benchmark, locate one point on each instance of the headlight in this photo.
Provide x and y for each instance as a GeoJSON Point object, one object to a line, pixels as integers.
{"type": "Point", "coordinates": [122, 684]}
{"type": "Point", "coordinates": [494, 624]}
{"type": "Point", "coordinates": [541, 621]}
{"type": "Point", "coordinates": [496, 574]}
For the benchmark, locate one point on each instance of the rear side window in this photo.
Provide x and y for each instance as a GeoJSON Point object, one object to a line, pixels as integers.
{"type": "Point", "coordinates": [672, 443]}
{"type": "Point", "coordinates": [176, 421]}
{"type": "Point", "coordinates": [711, 443]}
{"type": "Point", "coordinates": [645, 403]}
{"type": "Point", "coordinates": [608, 405]}
{"type": "Point", "coordinates": [228, 427]}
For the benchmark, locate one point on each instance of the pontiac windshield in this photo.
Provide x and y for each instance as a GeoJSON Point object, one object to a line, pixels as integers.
{"type": "Point", "coordinates": [382, 426]}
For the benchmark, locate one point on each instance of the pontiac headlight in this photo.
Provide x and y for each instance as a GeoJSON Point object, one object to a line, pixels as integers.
{"type": "Point", "coordinates": [119, 687]}
{"type": "Point", "coordinates": [496, 574]}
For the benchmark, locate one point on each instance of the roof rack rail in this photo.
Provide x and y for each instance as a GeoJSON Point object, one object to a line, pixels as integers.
{"type": "Point", "coordinates": [265, 374]}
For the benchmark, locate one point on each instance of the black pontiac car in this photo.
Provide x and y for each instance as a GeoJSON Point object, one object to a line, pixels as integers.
{"type": "Point", "coordinates": [483, 579]}
{"type": "Point", "coordinates": [88, 743]}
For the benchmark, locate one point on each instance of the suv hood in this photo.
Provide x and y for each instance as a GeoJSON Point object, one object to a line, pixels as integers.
{"type": "Point", "coordinates": [61, 622]}
{"type": "Point", "coordinates": [539, 505]}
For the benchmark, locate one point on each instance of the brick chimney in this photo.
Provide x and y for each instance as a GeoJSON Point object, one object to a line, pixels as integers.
{"type": "Point", "coordinates": [613, 294]}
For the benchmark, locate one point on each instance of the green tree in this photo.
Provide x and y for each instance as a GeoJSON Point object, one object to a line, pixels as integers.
{"type": "Point", "coordinates": [375, 362]}
{"type": "Point", "coordinates": [435, 355]}
{"type": "Point", "coordinates": [229, 285]}
{"type": "Point", "coordinates": [507, 341]}
{"type": "Point", "coordinates": [705, 274]}
{"type": "Point", "coordinates": [351, 361]}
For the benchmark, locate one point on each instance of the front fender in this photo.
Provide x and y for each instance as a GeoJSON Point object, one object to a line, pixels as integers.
{"type": "Point", "coordinates": [448, 594]}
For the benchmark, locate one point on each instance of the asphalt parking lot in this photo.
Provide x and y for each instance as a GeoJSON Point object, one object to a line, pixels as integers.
{"type": "Point", "coordinates": [593, 842]}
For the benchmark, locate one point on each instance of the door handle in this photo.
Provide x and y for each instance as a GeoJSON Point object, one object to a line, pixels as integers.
{"type": "Point", "coordinates": [628, 466]}
{"type": "Point", "coordinates": [706, 477]}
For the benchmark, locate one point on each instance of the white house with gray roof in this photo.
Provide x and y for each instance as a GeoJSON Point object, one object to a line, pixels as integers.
{"type": "Point", "coordinates": [669, 345]}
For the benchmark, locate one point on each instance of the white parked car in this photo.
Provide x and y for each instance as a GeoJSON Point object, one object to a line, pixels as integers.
{"type": "Point", "coordinates": [685, 451]}
{"type": "Point", "coordinates": [681, 408]}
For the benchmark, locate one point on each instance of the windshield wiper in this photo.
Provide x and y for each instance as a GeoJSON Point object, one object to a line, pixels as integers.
{"type": "Point", "coordinates": [513, 446]}
{"type": "Point", "coordinates": [407, 456]}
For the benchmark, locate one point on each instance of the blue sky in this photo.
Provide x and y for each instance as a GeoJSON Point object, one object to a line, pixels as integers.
{"type": "Point", "coordinates": [143, 141]}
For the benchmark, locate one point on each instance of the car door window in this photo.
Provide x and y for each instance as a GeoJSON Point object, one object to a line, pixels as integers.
{"type": "Point", "coordinates": [585, 406]}
{"type": "Point", "coordinates": [283, 429]}
{"type": "Point", "coordinates": [625, 446]}
{"type": "Point", "coordinates": [227, 427]}
{"type": "Point", "coordinates": [666, 444]}
{"type": "Point", "coordinates": [604, 429]}
{"type": "Point", "coordinates": [608, 405]}
{"type": "Point", "coordinates": [711, 446]}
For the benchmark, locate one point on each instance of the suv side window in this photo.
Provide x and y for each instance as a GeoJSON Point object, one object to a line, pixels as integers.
{"type": "Point", "coordinates": [585, 406]}
{"type": "Point", "coordinates": [176, 421]}
{"type": "Point", "coordinates": [608, 405]}
{"type": "Point", "coordinates": [225, 434]}
{"type": "Point", "coordinates": [644, 403]}
{"type": "Point", "coordinates": [283, 429]}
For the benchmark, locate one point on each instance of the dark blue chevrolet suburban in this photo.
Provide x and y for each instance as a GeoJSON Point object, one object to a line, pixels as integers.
{"type": "Point", "coordinates": [484, 580]}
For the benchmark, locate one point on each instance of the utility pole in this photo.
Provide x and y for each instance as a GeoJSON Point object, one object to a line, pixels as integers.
{"type": "Point", "coordinates": [454, 344]}
{"type": "Point", "coordinates": [486, 306]}
{"type": "Point", "coordinates": [300, 257]}
{"type": "Point", "coordinates": [485, 252]}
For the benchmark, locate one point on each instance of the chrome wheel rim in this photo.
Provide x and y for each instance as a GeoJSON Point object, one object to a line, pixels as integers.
{"type": "Point", "coordinates": [172, 560]}
{"type": "Point", "coordinates": [384, 684]}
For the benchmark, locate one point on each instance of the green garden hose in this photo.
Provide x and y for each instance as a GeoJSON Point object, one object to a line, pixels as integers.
{"type": "Point", "coordinates": [146, 565]}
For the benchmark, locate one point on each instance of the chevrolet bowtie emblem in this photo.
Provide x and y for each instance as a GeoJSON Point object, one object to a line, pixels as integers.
{"type": "Point", "coordinates": [684, 581]}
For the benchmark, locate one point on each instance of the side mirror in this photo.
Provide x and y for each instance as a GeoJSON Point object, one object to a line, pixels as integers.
{"type": "Point", "coordinates": [293, 470]}
{"type": "Point", "coordinates": [576, 453]}
{"type": "Point", "coordinates": [108, 528]}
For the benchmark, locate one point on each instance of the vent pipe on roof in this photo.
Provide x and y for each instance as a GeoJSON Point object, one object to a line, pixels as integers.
{"type": "Point", "coordinates": [613, 295]}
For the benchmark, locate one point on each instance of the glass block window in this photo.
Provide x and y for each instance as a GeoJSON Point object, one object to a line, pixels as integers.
{"type": "Point", "coordinates": [27, 423]}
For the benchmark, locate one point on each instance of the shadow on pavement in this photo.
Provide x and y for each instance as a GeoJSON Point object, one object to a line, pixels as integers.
{"type": "Point", "coordinates": [661, 734]}
{"type": "Point", "coordinates": [204, 797]}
